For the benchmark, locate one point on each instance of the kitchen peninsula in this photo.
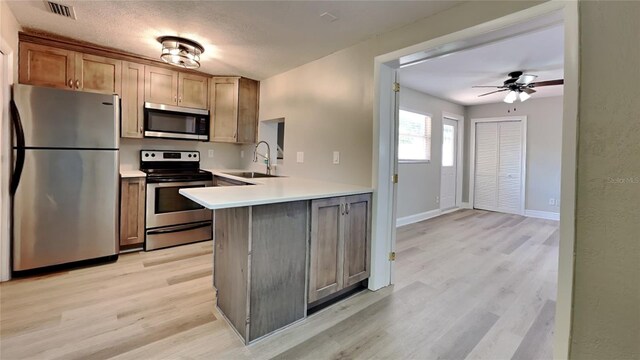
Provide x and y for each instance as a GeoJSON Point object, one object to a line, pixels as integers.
{"type": "Point", "coordinates": [283, 245]}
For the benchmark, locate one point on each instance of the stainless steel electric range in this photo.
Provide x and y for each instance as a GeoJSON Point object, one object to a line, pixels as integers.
{"type": "Point", "coordinates": [171, 218]}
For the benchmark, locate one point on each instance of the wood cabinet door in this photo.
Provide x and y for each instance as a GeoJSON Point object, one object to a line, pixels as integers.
{"type": "Point", "coordinates": [326, 250]}
{"type": "Point", "coordinates": [193, 90]}
{"type": "Point", "coordinates": [160, 86]}
{"type": "Point", "coordinates": [248, 100]}
{"type": "Point", "coordinates": [132, 201]}
{"type": "Point", "coordinates": [224, 109]}
{"type": "Point", "coordinates": [132, 100]}
{"type": "Point", "coordinates": [357, 239]}
{"type": "Point", "coordinates": [98, 74]}
{"type": "Point", "coordinates": [42, 65]}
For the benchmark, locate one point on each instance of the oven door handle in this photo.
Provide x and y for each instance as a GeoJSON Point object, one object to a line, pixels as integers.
{"type": "Point", "coordinates": [179, 228]}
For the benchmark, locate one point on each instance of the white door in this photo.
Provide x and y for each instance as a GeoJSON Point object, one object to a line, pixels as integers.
{"type": "Point", "coordinates": [498, 166]}
{"type": "Point", "coordinates": [448, 172]}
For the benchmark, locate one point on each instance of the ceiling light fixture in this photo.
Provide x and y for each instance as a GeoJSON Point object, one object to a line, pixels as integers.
{"type": "Point", "coordinates": [523, 96]}
{"type": "Point", "coordinates": [511, 97]}
{"type": "Point", "coordinates": [181, 52]}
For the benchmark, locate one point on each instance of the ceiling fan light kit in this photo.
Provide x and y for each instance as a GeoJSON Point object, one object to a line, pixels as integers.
{"type": "Point", "coordinates": [180, 51]}
{"type": "Point", "coordinates": [511, 97]}
{"type": "Point", "coordinates": [520, 86]}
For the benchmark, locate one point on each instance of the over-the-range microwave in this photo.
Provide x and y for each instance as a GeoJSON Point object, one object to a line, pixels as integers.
{"type": "Point", "coordinates": [175, 122]}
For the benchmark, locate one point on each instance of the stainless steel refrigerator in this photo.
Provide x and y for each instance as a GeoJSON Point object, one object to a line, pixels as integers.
{"type": "Point", "coordinates": [65, 178]}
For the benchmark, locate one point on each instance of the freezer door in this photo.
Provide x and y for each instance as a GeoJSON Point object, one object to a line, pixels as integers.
{"type": "Point", "coordinates": [65, 207]}
{"type": "Point", "coordinates": [56, 118]}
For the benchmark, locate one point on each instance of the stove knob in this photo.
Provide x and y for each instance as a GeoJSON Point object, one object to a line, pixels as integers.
{"type": "Point", "coordinates": [146, 155]}
{"type": "Point", "coordinates": [153, 155]}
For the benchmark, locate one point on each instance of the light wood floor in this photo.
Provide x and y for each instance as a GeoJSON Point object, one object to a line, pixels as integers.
{"type": "Point", "coordinates": [470, 284]}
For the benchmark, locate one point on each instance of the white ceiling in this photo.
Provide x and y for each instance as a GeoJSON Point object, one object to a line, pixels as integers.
{"type": "Point", "coordinates": [257, 39]}
{"type": "Point", "coordinates": [451, 77]}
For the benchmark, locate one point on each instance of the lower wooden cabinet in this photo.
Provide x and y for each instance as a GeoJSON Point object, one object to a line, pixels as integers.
{"type": "Point", "coordinates": [132, 204]}
{"type": "Point", "coordinates": [340, 251]}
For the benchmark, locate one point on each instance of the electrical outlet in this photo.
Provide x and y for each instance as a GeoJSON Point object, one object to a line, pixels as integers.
{"type": "Point", "coordinates": [437, 199]}
{"type": "Point", "coordinates": [300, 157]}
{"type": "Point", "coordinates": [242, 154]}
{"type": "Point", "coordinates": [552, 201]}
{"type": "Point", "coordinates": [210, 153]}
{"type": "Point", "coordinates": [336, 157]}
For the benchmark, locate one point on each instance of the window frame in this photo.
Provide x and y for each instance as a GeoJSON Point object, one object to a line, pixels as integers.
{"type": "Point", "coordinates": [413, 161]}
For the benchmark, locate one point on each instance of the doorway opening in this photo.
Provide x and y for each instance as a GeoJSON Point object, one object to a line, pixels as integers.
{"type": "Point", "coordinates": [386, 165]}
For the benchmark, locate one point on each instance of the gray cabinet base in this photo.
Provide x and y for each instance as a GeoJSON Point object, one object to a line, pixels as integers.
{"type": "Point", "coordinates": [260, 266]}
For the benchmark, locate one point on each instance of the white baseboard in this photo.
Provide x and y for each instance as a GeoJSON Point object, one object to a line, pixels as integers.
{"type": "Point", "coordinates": [542, 214]}
{"type": "Point", "coordinates": [417, 217]}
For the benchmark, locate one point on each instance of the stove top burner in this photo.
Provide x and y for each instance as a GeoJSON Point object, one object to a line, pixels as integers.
{"type": "Point", "coordinates": [172, 166]}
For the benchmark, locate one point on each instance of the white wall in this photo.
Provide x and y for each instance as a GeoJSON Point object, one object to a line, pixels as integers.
{"type": "Point", "coordinates": [9, 28]}
{"type": "Point", "coordinates": [419, 183]}
{"type": "Point", "coordinates": [224, 155]}
{"type": "Point", "coordinates": [328, 103]}
{"type": "Point", "coordinates": [544, 146]}
{"type": "Point", "coordinates": [606, 303]}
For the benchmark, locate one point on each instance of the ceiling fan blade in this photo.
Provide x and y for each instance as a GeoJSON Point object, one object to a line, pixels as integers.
{"type": "Point", "coordinates": [496, 86]}
{"type": "Point", "coordinates": [528, 90]}
{"type": "Point", "coordinates": [526, 79]}
{"type": "Point", "coordinates": [547, 83]}
{"type": "Point", "coordinates": [493, 92]}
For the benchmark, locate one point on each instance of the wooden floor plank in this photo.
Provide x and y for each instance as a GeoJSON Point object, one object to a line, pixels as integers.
{"type": "Point", "coordinates": [471, 283]}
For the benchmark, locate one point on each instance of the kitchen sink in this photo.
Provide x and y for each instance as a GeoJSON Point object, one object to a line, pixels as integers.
{"type": "Point", "coordinates": [250, 175]}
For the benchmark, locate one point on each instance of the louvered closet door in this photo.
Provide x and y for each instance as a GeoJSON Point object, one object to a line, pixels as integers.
{"type": "Point", "coordinates": [486, 166]}
{"type": "Point", "coordinates": [509, 166]}
{"type": "Point", "coordinates": [498, 166]}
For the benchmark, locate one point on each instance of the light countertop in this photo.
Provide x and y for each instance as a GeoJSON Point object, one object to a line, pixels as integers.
{"type": "Point", "coordinates": [131, 173]}
{"type": "Point", "coordinates": [267, 191]}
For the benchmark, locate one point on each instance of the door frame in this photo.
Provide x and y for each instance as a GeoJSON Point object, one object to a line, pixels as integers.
{"type": "Point", "coordinates": [459, 156]}
{"type": "Point", "coordinates": [383, 163]}
{"type": "Point", "coordinates": [523, 160]}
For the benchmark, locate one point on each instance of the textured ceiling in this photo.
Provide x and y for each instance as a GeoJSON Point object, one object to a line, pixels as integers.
{"type": "Point", "coordinates": [452, 77]}
{"type": "Point", "coordinates": [257, 39]}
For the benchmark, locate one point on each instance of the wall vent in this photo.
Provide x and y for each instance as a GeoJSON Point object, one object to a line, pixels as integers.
{"type": "Point", "coordinates": [60, 9]}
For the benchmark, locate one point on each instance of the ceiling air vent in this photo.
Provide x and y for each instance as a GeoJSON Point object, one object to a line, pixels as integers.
{"type": "Point", "coordinates": [60, 9]}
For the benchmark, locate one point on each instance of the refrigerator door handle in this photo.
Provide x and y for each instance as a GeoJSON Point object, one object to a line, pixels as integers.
{"type": "Point", "coordinates": [20, 143]}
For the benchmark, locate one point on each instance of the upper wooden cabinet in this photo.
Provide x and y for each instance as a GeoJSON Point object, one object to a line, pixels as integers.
{"type": "Point", "coordinates": [163, 86]}
{"type": "Point", "coordinates": [98, 74]}
{"type": "Point", "coordinates": [193, 90]}
{"type": "Point", "coordinates": [132, 99]}
{"type": "Point", "coordinates": [46, 66]}
{"type": "Point", "coordinates": [43, 65]}
{"type": "Point", "coordinates": [234, 109]}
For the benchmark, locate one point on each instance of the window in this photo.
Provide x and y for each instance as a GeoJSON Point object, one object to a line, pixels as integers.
{"type": "Point", "coordinates": [448, 144]}
{"type": "Point", "coordinates": [414, 137]}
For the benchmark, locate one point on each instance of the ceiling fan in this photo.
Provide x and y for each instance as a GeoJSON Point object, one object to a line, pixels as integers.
{"type": "Point", "coordinates": [520, 85]}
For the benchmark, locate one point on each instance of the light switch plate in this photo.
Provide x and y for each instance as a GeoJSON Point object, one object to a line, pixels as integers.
{"type": "Point", "coordinates": [210, 153]}
{"type": "Point", "coordinates": [336, 157]}
{"type": "Point", "coordinates": [552, 201]}
{"type": "Point", "coordinates": [300, 157]}
{"type": "Point", "coordinates": [242, 154]}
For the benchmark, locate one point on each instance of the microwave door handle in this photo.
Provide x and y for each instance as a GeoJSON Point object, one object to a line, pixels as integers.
{"type": "Point", "coordinates": [20, 152]}
{"type": "Point", "coordinates": [179, 228]}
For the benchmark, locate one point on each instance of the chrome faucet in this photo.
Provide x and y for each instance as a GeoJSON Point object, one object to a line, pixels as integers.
{"type": "Point", "coordinates": [266, 157]}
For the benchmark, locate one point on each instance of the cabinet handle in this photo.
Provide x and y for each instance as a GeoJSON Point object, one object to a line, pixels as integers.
{"type": "Point", "coordinates": [342, 209]}
{"type": "Point", "coordinates": [71, 83]}
{"type": "Point", "coordinates": [175, 98]}
{"type": "Point", "coordinates": [77, 84]}
{"type": "Point", "coordinates": [140, 129]}
{"type": "Point", "coordinates": [348, 206]}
